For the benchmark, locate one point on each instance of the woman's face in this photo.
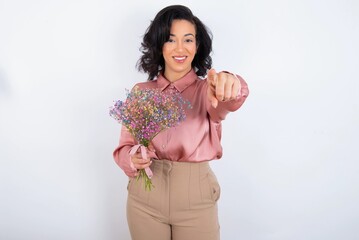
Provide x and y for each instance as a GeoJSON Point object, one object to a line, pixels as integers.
{"type": "Point", "coordinates": [180, 49]}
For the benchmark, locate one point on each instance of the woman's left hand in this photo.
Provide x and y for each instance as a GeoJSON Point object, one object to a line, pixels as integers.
{"type": "Point", "coordinates": [222, 87]}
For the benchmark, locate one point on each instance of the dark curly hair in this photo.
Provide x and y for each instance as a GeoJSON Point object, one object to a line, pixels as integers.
{"type": "Point", "coordinates": [152, 61]}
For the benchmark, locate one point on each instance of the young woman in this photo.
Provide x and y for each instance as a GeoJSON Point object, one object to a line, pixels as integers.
{"type": "Point", "coordinates": [183, 204]}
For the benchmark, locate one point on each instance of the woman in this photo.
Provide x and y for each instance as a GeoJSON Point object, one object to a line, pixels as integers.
{"type": "Point", "coordinates": [183, 204]}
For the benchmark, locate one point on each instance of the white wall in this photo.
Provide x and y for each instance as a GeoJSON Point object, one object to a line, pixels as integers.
{"type": "Point", "coordinates": [291, 161]}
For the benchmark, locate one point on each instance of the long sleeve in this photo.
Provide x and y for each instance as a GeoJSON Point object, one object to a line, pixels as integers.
{"type": "Point", "coordinates": [121, 153]}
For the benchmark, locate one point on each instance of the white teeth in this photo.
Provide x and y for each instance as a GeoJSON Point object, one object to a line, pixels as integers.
{"type": "Point", "coordinates": [180, 58]}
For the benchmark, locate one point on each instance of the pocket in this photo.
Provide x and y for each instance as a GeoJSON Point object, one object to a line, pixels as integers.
{"type": "Point", "coordinates": [128, 184]}
{"type": "Point", "coordinates": [215, 188]}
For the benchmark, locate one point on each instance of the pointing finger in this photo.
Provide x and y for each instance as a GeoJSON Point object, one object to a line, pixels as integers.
{"type": "Point", "coordinates": [220, 87]}
{"type": "Point", "coordinates": [212, 77]}
{"type": "Point", "coordinates": [211, 96]}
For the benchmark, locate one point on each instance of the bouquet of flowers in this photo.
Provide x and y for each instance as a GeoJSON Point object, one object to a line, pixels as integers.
{"type": "Point", "coordinates": [145, 113]}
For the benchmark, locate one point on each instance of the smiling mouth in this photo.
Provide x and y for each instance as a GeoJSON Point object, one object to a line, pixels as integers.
{"type": "Point", "coordinates": [180, 59]}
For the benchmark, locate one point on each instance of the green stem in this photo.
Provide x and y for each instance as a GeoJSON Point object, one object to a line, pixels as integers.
{"type": "Point", "coordinates": [148, 183]}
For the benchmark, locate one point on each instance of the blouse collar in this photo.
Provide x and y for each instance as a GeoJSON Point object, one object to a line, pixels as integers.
{"type": "Point", "coordinates": [181, 84]}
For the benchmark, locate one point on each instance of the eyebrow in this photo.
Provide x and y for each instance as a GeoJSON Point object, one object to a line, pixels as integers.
{"type": "Point", "coordinates": [186, 35]}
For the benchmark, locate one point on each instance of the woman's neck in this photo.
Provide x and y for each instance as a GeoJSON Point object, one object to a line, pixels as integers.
{"type": "Point", "coordinates": [173, 76]}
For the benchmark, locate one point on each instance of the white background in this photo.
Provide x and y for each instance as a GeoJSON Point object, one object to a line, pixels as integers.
{"type": "Point", "coordinates": [291, 161]}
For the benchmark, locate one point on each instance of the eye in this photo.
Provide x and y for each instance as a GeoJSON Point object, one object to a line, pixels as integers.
{"type": "Point", "coordinates": [188, 40]}
{"type": "Point", "coordinates": [170, 40]}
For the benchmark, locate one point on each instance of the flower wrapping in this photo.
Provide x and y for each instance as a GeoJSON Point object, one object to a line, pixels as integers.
{"type": "Point", "coordinates": [145, 113]}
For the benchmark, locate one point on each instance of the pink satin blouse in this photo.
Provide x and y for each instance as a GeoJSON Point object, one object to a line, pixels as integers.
{"type": "Point", "coordinates": [196, 139]}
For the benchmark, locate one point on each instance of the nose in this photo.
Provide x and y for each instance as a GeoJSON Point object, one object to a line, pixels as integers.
{"type": "Point", "coordinates": [179, 46]}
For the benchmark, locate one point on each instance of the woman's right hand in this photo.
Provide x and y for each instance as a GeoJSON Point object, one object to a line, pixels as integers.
{"type": "Point", "coordinates": [139, 162]}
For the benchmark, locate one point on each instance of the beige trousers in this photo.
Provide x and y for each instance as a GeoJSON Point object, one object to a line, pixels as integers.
{"type": "Point", "coordinates": [181, 206]}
